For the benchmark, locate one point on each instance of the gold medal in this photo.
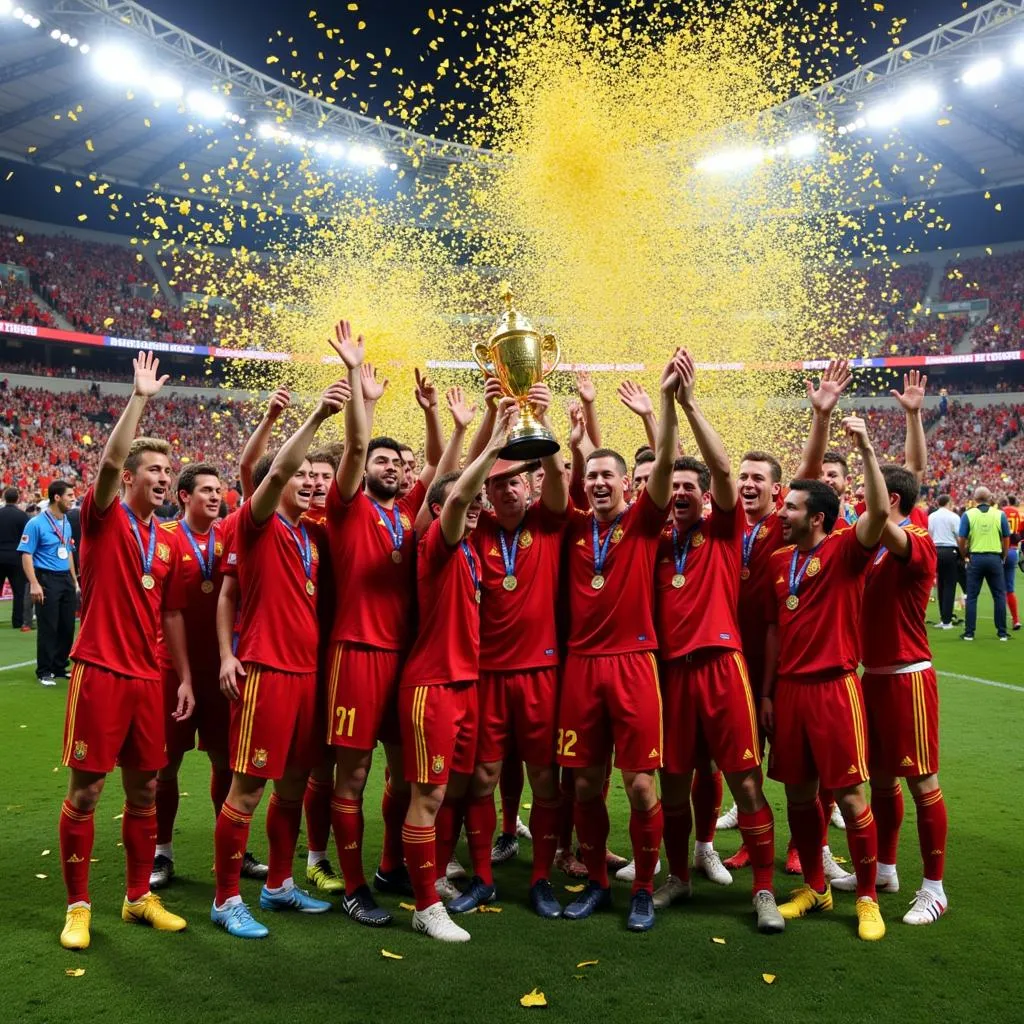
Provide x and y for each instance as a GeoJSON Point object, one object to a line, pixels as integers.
{"type": "Point", "coordinates": [744, 573]}
{"type": "Point", "coordinates": [310, 587]}
{"type": "Point", "coordinates": [148, 583]}
{"type": "Point", "coordinates": [207, 587]}
{"type": "Point", "coordinates": [678, 580]}
{"type": "Point", "coordinates": [792, 602]}
{"type": "Point", "coordinates": [597, 582]}
{"type": "Point", "coordinates": [396, 557]}
{"type": "Point", "coordinates": [510, 582]}
{"type": "Point", "coordinates": [476, 594]}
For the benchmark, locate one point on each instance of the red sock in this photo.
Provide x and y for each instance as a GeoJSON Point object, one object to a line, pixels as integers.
{"type": "Point", "coordinates": [805, 827]}
{"type": "Point", "coordinates": [678, 822]}
{"type": "Point", "coordinates": [138, 834]}
{"type": "Point", "coordinates": [347, 819]}
{"type": "Point", "coordinates": [220, 786]}
{"type": "Point", "coordinates": [419, 849]}
{"type": "Point", "coordinates": [77, 830]}
{"type": "Point", "coordinates": [230, 840]}
{"type": "Point", "coordinates": [932, 825]}
{"type": "Point", "coordinates": [511, 786]}
{"type": "Point", "coordinates": [166, 809]}
{"type": "Point", "coordinates": [758, 831]}
{"type": "Point", "coordinates": [592, 828]}
{"type": "Point", "coordinates": [645, 831]}
{"type": "Point", "coordinates": [317, 804]}
{"type": "Point", "coordinates": [566, 786]}
{"type": "Point", "coordinates": [545, 817]}
{"type": "Point", "coordinates": [827, 801]}
{"type": "Point", "coordinates": [887, 807]}
{"type": "Point", "coordinates": [481, 821]}
{"type": "Point", "coordinates": [284, 818]}
{"type": "Point", "coordinates": [447, 827]}
{"type": "Point", "coordinates": [706, 792]}
{"type": "Point", "coordinates": [862, 836]}
{"type": "Point", "coordinates": [393, 808]}
{"type": "Point", "coordinates": [1011, 603]}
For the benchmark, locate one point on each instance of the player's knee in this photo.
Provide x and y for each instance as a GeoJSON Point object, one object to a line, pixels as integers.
{"type": "Point", "coordinates": [922, 785]}
{"type": "Point", "coordinates": [589, 784]}
{"type": "Point", "coordinates": [485, 778]}
{"type": "Point", "coordinates": [641, 791]}
{"type": "Point", "coordinates": [84, 794]}
{"type": "Point", "coordinates": [141, 792]}
{"type": "Point", "coordinates": [426, 799]}
{"type": "Point", "coordinates": [746, 791]}
{"type": "Point", "coordinates": [852, 802]}
{"type": "Point", "coordinates": [543, 781]}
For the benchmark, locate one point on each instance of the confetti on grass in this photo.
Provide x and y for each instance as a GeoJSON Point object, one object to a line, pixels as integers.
{"type": "Point", "coordinates": [536, 998]}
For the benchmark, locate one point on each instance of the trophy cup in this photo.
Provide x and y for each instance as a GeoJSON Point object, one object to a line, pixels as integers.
{"type": "Point", "coordinates": [515, 355]}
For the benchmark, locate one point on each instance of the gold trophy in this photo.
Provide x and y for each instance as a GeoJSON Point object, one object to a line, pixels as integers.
{"type": "Point", "coordinates": [515, 354]}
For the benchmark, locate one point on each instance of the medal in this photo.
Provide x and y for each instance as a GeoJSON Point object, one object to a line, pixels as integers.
{"type": "Point", "coordinates": [510, 583]}
{"type": "Point", "coordinates": [472, 570]}
{"type": "Point", "coordinates": [679, 555]}
{"type": "Point", "coordinates": [310, 587]}
{"type": "Point", "coordinates": [206, 586]}
{"type": "Point", "coordinates": [396, 531]}
{"type": "Point", "coordinates": [62, 540]}
{"type": "Point", "coordinates": [508, 557]}
{"type": "Point", "coordinates": [148, 582]}
{"type": "Point", "coordinates": [600, 550]}
{"type": "Point", "coordinates": [301, 538]}
{"type": "Point", "coordinates": [62, 552]}
{"type": "Point", "coordinates": [758, 530]}
{"type": "Point", "coordinates": [795, 577]}
{"type": "Point", "coordinates": [205, 563]}
{"type": "Point", "coordinates": [396, 557]}
{"type": "Point", "coordinates": [792, 602]}
{"type": "Point", "coordinates": [678, 580]}
{"type": "Point", "coordinates": [744, 573]}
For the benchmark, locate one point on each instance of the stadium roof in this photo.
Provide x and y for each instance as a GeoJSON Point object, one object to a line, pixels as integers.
{"type": "Point", "coordinates": [67, 66]}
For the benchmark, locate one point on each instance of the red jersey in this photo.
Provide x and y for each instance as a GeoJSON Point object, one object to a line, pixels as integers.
{"type": "Point", "coordinates": [199, 607]}
{"type": "Point", "coordinates": [447, 647]}
{"type": "Point", "coordinates": [381, 606]}
{"type": "Point", "coordinates": [702, 613]}
{"type": "Point", "coordinates": [229, 536]}
{"type": "Point", "coordinates": [819, 638]}
{"type": "Point", "coordinates": [618, 618]}
{"type": "Point", "coordinates": [315, 515]}
{"type": "Point", "coordinates": [1013, 519]}
{"type": "Point", "coordinates": [517, 627]}
{"type": "Point", "coordinates": [120, 617]}
{"type": "Point", "coordinates": [756, 590]}
{"type": "Point", "coordinates": [896, 593]}
{"type": "Point", "coordinates": [919, 517]}
{"type": "Point", "coordinates": [279, 623]}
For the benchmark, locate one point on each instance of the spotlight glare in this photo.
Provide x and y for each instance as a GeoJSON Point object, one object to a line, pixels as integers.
{"type": "Point", "coordinates": [920, 100]}
{"type": "Point", "coordinates": [116, 63]}
{"type": "Point", "coordinates": [802, 145]}
{"type": "Point", "coordinates": [65, 37]}
{"type": "Point", "coordinates": [336, 149]}
{"type": "Point", "coordinates": [18, 12]}
{"type": "Point", "coordinates": [5, 6]}
{"type": "Point", "coordinates": [266, 130]}
{"type": "Point", "coordinates": [731, 160]}
{"type": "Point", "coordinates": [207, 105]}
{"type": "Point", "coordinates": [981, 73]}
{"type": "Point", "coordinates": [164, 87]}
{"type": "Point", "coordinates": [84, 48]}
{"type": "Point", "coordinates": [1018, 54]}
{"type": "Point", "coordinates": [55, 34]}
{"type": "Point", "coordinates": [73, 42]}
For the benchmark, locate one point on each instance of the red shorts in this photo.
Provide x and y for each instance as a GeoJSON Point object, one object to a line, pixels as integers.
{"type": "Point", "coordinates": [518, 711]}
{"type": "Point", "coordinates": [903, 723]}
{"type": "Point", "coordinates": [709, 713]}
{"type": "Point", "coordinates": [820, 733]}
{"type": "Point", "coordinates": [610, 701]}
{"type": "Point", "coordinates": [273, 723]}
{"type": "Point", "coordinates": [439, 730]}
{"type": "Point", "coordinates": [211, 717]}
{"type": "Point", "coordinates": [362, 696]}
{"type": "Point", "coordinates": [113, 720]}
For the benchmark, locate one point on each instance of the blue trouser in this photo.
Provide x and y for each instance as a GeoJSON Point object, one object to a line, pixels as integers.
{"type": "Point", "coordinates": [1011, 570]}
{"type": "Point", "coordinates": [987, 567]}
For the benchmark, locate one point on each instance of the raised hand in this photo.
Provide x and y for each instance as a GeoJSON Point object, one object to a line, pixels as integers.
{"type": "Point", "coordinates": [834, 382]}
{"type": "Point", "coordinates": [635, 398]}
{"type": "Point", "coordinates": [856, 429]}
{"type": "Point", "coordinates": [504, 421]}
{"type": "Point", "coordinates": [426, 391]}
{"type": "Point", "coordinates": [147, 383]}
{"type": "Point", "coordinates": [351, 351]}
{"type": "Point", "coordinates": [585, 386]}
{"type": "Point", "coordinates": [577, 425]}
{"type": "Point", "coordinates": [687, 370]}
{"type": "Point", "coordinates": [279, 401]}
{"type": "Point", "coordinates": [493, 392]}
{"type": "Point", "coordinates": [373, 389]}
{"type": "Point", "coordinates": [914, 386]}
{"type": "Point", "coordinates": [462, 409]}
{"type": "Point", "coordinates": [539, 397]}
{"type": "Point", "coordinates": [334, 398]}
{"type": "Point", "coordinates": [670, 375]}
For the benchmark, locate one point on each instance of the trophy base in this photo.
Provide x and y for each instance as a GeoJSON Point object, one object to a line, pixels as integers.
{"type": "Point", "coordinates": [533, 442]}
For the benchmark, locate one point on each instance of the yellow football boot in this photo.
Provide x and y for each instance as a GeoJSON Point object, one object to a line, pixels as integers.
{"type": "Point", "coordinates": [323, 877]}
{"type": "Point", "coordinates": [870, 926]}
{"type": "Point", "coordinates": [804, 901]}
{"type": "Point", "coordinates": [151, 910]}
{"type": "Point", "coordinates": [76, 928]}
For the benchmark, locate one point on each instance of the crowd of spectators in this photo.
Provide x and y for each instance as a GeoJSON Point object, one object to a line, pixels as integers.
{"type": "Point", "coordinates": [1000, 279]}
{"type": "Point", "coordinates": [19, 304]}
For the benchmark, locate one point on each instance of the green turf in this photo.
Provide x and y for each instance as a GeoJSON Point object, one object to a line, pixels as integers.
{"type": "Point", "coordinates": [967, 967]}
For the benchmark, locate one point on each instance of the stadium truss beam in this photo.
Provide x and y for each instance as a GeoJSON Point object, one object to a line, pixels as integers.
{"type": "Point", "coordinates": [77, 138]}
{"type": "Point", "coordinates": [34, 65]}
{"type": "Point", "coordinates": [47, 105]}
{"type": "Point", "coordinates": [194, 142]}
{"type": "Point", "coordinates": [990, 125]}
{"type": "Point", "coordinates": [934, 147]}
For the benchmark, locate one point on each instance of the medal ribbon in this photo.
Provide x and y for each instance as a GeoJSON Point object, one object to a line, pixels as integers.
{"type": "Point", "coordinates": [882, 550]}
{"type": "Point", "coordinates": [59, 530]}
{"type": "Point", "coordinates": [509, 558]}
{"type": "Point", "coordinates": [395, 529]}
{"type": "Point", "coordinates": [680, 556]}
{"type": "Point", "coordinates": [301, 538]}
{"type": "Point", "coordinates": [146, 554]}
{"type": "Point", "coordinates": [472, 566]}
{"type": "Point", "coordinates": [795, 578]}
{"type": "Point", "coordinates": [206, 567]}
{"type": "Point", "coordinates": [601, 549]}
{"type": "Point", "coordinates": [749, 538]}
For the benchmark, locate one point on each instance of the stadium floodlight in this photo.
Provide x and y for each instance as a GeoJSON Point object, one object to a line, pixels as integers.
{"type": "Point", "coordinates": [336, 149]}
{"type": "Point", "coordinates": [1018, 54]}
{"type": "Point", "coordinates": [731, 160]}
{"type": "Point", "coordinates": [55, 34]}
{"type": "Point", "coordinates": [920, 100]}
{"type": "Point", "coordinates": [802, 145]}
{"type": "Point", "coordinates": [117, 63]}
{"type": "Point", "coordinates": [265, 130]}
{"type": "Point", "coordinates": [6, 6]}
{"type": "Point", "coordinates": [983, 72]}
{"type": "Point", "coordinates": [207, 105]}
{"type": "Point", "coordinates": [18, 12]}
{"type": "Point", "coordinates": [366, 156]}
{"type": "Point", "coordinates": [65, 38]}
{"type": "Point", "coordinates": [84, 48]}
{"type": "Point", "coordinates": [73, 42]}
{"type": "Point", "coordinates": [164, 87]}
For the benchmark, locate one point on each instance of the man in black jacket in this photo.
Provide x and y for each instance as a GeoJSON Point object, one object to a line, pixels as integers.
{"type": "Point", "coordinates": [12, 526]}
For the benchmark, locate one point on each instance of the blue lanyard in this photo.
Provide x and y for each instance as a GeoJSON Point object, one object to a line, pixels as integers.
{"type": "Point", "coordinates": [147, 554]}
{"type": "Point", "coordinates": [601, 549]}
{"type": "Point", "coordinates": [882, 550]}
{"type": "Point", "coordinates": [206, 567]}
{"type": "Point", "coordinates": [509, 558]}
{"type": "Point", "coordinates": [680, 556]}
{"type": "Point", "coordinates": [472, 570]}
{"type": "Point", "coordinates": [301, 539]}
{"type": "Point", "coordinates": [749, 538]}
{"type": "Point", "coordinates": [59, 530]}
{"type": "Point", "coordinates": [795, 578]}
{"type": "Point", "coordinates": [395, 529]}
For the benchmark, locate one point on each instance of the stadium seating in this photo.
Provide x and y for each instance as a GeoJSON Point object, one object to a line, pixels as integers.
{"type": "Point", "coordinates": [1000, 279]}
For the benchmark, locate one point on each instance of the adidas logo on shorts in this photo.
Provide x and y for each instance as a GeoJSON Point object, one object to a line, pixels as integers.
{"type": "Point", "coordinates": [906, 762]}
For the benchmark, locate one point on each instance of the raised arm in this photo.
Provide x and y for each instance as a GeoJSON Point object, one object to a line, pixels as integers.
{"type": "Point", "coordinates": [554, 490]}
{"type": "Point", "coordinates": [467, 487]}
{"type": "Point", "coordinates": [256, 447]}
{"type": "Point", "coordinates": [912, 401]}
{"type": "Point", "coordinates": [659, 485]}
{"type": "Point", "coordinates": [426, 397]}
{"type": "Point", "coordinates": [823, 399]}
{"type": "Point", "coordinates": [876, 496]}
{"type": "Point", "coordinates": [349, 477]}
{"type": "Point", "coordinates": [492, 395]}
{"type": "Point", "coordinates": [635, 399]}
{"type": "Point", "coordinates": [462, 415]}
{"type": "Point", "coordinates": [581, 446]}
{"type": "Point", "coordinates": [373, 391]}
{"type": "Point", "coordinates": [145, 385]}
{"type": "Point", "coordinates": [588, 399]}
{"type": "Point", "coordinates": [712, 451]}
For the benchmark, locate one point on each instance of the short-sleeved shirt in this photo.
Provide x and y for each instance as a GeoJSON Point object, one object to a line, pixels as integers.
{"type": "Point", "coordinates": [43, 538]}
{"type": "Point", "coordinates": [518, 627]}
{"type": "Point", "coordinates": [447, 646]}
{"type": "Point", "coordinates": [896, 592]}
{"type": "Point", "coordinates": [377, 595]}
{"type": "Point", "coordinates": [279, 616]}
{"type": "Point", "coordinates": [756, 590]}
{"type": "Point", "coordinates": [619, 617]}
{"type": "Point", "coordinates": [120, 618]}
{"type": "Point", "coordinates": [819, 639]}
{"type": "Point", "coordinates": [702, 613]}
{"type": "Point", "coordinates": [984, 528]}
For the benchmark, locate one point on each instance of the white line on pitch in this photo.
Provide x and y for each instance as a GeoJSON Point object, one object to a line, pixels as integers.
{"type": "Point", "coordinates": [19, 664]}
{"type": "Point", "coordinates": [984, 682]}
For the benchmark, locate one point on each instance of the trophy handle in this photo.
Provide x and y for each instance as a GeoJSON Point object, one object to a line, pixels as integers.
{"type": "Point", "coordinates": [549, 342]}
{"type": "Point", "coordinates": [481, 354]}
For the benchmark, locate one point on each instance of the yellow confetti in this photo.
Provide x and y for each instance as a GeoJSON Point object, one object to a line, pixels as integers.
{"type": "Point", "coordinates": [89, 146]}
{"type": "Point", "coordinates": [31, 149]}
{"type": "Point", "coordinates": [588, 963]}
{"type": "Point", "coordinates": [83, 217]}
{"type": "Point", "coordinates": [535, 998]}
{"type": "Point", "coordinates": [74, 972]}
{"type": "Point", "coordinates": [107, 321]}
{"type": "Point", "coordinates": [56, 188]}
{"type": "Point", "coordinates": [388, 955]}
{"type": "Point", "coordinates": [527, 807]}
{"type": "Point", "coordinates": [768, 978]}
{"type": "Point", "coordinates": [718, 941]}
{"type": "Point", "coordinates": [407, 906]}
{"type": "Point", "coordinates": [487, 908]}
{"type": "Point", "coordinates": [41, 876]}
{"type": "Point", "coordinates": [45, 853]}
{"type": "Point", "coordinates": [575, 888]}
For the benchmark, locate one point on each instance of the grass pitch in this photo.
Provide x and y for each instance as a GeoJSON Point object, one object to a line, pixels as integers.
{"type": "Point", "coordinates": [967, 967]}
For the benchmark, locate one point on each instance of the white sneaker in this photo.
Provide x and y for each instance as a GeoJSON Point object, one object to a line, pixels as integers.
{"type": "Point", "coordinates": [710, 864]}
{"type": "Point", "coordinates": [435, 922]}
{"type": "Point", "coordinates": [838, 821]}
{"type": "Point", "coordinates": [888, 883]}
{"type": "Point", "coordinates": [927, 908]}
{"type": "Point", "coordinates": [837, 876]}
{"type": "Point", "coordinates": [942, 625]}
{"type": "Point", "coordinates": [522, 830]}
{"type": "Point", "coordinates": [628, 873]}
{"type": "Point", "coordinates": [673, 889]}
{"type": "Point", "coordinates": [731, 819]}
{"type": "Point", "coordinates": [446, 889]}
{"type": "Point", "coordinates": [455, 870]}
